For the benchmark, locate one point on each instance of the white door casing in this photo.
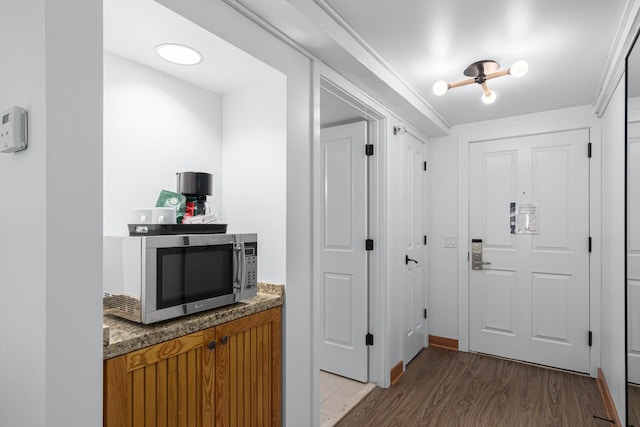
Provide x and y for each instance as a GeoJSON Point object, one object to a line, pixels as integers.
{"type": "Point", "coordinates": [633, 253]}
{"type": "Point", "coordinates": [532, 302]}
{"type": "Point", "coordinates": [414, 256]}
{"type": "Point", "coordinates": [343, 258]}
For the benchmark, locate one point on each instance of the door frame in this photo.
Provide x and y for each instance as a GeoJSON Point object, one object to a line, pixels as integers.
{"type": "Point", "coordinates": [327, 79]}
{"type": "Point", "coordinates": [548, 122]}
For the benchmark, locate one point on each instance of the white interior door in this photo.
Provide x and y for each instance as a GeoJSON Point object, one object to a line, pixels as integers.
{"type": "Point", "coordinates": [343, 258]}
{"type": "Point", "coordinates": [532, 302]}
{"type": "Point", "coordinates": [414, 256]}
{"type": "Point", "coordinates": [633, 253]}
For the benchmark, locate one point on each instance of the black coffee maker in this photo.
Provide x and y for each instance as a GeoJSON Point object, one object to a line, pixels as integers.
{"type": "Point", "coordinates": [196, 186]}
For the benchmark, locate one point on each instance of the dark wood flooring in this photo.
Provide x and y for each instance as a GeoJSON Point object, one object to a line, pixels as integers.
{"type": "Point", "coordinates": [446, 388]}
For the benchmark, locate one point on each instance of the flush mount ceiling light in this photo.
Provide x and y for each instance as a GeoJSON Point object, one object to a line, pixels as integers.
{"type": "Point", "coordinates": [179, 54]}
{"type": "Point", "coordinates": [479, 72]}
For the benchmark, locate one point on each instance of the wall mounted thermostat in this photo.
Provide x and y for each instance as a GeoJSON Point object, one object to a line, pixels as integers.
{"type": "Point", "coordinates": [13, 130]}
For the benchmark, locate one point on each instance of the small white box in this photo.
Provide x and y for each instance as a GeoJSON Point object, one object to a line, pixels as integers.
{"type": "Point", "coordinates": [450, 241]}
{"type": "Point", "coordinates": [13, 130]}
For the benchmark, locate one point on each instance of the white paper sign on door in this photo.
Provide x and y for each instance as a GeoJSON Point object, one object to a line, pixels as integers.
{"type": "Point", "coordinates": [523, 218]}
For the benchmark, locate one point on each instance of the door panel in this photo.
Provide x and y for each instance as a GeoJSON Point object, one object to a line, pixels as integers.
{"type": "Point", "coordinates": [413, 231]}
{"type": "Point", "coordinates": [633, 252]}
{"type": "Point", "coordinates": [633, 297]}
{"type": "Point", "coordinates": [338, 209]}
{"type": "Point", "coordinates": [550, 309]}
{"type": "Point", "coordinates": [552, 191]}
{"type": "Point", "coordinates": [499, 298]}
{"type": "Point", "coordinates": [343, 258]}
{"type": "Point", "coordinates": [499, 190]}
{"type": "Point", "coordinates": [338, 330]}
{"type": "Point", "coordinates": [531, 302]}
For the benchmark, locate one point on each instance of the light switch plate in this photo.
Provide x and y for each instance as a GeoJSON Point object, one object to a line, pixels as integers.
{"type": "Point", "coordinates": [450, 242]}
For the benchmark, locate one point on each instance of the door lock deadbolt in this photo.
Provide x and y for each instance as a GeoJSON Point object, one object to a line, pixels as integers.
{"type": "Point", "coordinates": [476, 255]}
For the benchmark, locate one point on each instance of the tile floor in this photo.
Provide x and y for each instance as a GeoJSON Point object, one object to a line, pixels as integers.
{"type": "Point", "coordinates": [338, 395]}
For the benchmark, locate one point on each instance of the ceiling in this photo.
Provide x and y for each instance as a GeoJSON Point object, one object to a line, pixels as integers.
{"type": "Point", "coordinates": [411, 44]}
{"type": "Point", "coordinates": [133, 28]}
{"type": "Point", "coordinates": [396, 50]}
{"type": "Point", "coordinates": [566, 44]}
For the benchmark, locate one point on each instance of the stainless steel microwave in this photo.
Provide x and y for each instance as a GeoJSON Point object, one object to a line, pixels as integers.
{"type": "Point", "coordinates": [153, 278]}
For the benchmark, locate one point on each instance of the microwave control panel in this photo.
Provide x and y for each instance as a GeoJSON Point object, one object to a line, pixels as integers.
{"type": "Point", "coordinates": [251, 258]}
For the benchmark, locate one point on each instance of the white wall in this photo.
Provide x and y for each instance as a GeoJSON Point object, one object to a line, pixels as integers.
{"type": "Point", "coordinates": [50, 255]}
{"type": "Point", "coordinates": [154, 126]}
{"type": "Point", "coordinates": [395, 249]}
{"type": "Point", "coordinates": [442, 278]}
{"type": "Point", "coordinates": [255, 171]}
{"type": "Point", "coordinates": [613, 249]}
{"type": "Point", "coordinates": [23, 251]}
{"type": "Point", "coordinates": [298, 363]}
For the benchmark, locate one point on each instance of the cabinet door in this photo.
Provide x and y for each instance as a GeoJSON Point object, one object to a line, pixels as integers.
{"type": "Point", "coordinates": [247, 389]}
{"type": "Point", "coordinates": [161, 385]}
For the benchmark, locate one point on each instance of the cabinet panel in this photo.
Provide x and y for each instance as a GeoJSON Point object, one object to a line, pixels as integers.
{"type": "Point", "coordinates": [248, 371]}
{"type": "Point", "coordinates": [208, 380]}
{"type": "Point", "coordinates": [158, 386]}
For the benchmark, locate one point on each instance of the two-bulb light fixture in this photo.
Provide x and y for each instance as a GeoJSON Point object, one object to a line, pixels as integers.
{"type": "Point", "coordinates": [179, 54]}
{"type": "Point", "coordinates": [479, 72]}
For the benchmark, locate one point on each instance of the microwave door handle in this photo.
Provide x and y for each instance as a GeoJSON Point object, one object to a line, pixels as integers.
{"type": "Point", "coordinates": [243, 270]}
{"type": "Point", "coordinates": [238, 250]}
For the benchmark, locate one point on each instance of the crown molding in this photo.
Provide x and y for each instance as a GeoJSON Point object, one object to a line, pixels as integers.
{"type": "Point", "coordinates": [615, 66]}
{"type": "Point", "coordinates": [327, 20]}
{"type": "Point", "coordinates": [258, 20]}
{"type": "Point", "coordinates": [428, 110]}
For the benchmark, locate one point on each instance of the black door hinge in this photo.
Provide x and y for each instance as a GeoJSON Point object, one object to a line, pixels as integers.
{"type": "Point", "coordinates": [589, 243]}
{"type": "Point", "coordinates": [369, 244]}
{"type": "Point", "coordinates": [590, 338]}
{"type": "Point", "coordinates": [424, 165]}
{"type": "Point", "coordinates": [368, 149]}
{"type": "Point", "coordinates": [369, 339]}
{"type": "Point", "coordinates": [425, 313]}
{"type": "Point", "coordinates": [589, 150]}
{"type": "Point", "coordinates": [424, 239]}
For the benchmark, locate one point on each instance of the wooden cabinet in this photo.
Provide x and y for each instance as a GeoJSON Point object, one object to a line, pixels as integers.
{"type": "Point", "coordinates": [247, 366]}
{"type": "Point", "coordinates": [229, 375]}
{"type": "Point", "coordinates": [161, 385]}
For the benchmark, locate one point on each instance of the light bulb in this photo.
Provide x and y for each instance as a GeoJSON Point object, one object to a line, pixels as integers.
{"type": "Point", "coordinates": [489, 99]}
{"type": "Point", "coordinates": [179, 54]}
{"type": "Point", "coordinates": [440, 88]}
{"type": "Point", "coordinates": [519, 68]}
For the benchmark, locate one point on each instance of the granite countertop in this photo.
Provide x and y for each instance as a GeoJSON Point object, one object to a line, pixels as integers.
{"type": "Point", "coordinates": [126, 336]}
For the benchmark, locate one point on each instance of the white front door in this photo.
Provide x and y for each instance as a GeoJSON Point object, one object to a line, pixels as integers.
{"type": "Point", "coordinates": [633, 253]}
{"type": "Point", "coordinates": [532, 302]}
{"type": "Point", "coordinates": [414, 248]}
{"type": "Point", "coordinates": [343, 257]}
